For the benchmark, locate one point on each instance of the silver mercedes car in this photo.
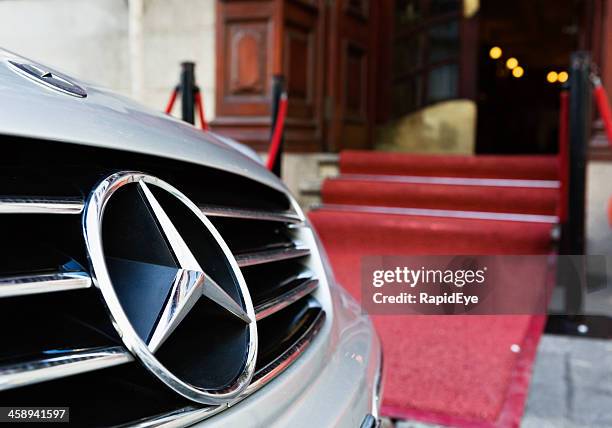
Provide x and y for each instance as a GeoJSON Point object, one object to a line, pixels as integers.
{"type": "Point", "coordinates": [152, 274]}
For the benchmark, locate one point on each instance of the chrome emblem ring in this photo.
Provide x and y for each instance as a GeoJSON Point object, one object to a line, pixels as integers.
{"type": "Point", "coordinates": [173, 289]}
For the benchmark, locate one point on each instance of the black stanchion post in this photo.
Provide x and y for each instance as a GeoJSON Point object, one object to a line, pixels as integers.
{"type": "Point", "coordinates": [579, 132]}
{"type": "Point", "coordinates": [573, 272]}
{"type": "Point", "coordinates": [580, 127]}
{"type": "Point", "coordinates": [278, 84]}
{"type": "Point", "coordinates": [188, 92]}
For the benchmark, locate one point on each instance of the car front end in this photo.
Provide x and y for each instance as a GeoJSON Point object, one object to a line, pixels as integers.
{"type": "Point", "coordinates": [84, 174]}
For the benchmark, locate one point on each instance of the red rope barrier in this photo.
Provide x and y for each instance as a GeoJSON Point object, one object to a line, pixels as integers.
{"type": "Point", "coordinates": [200, 105]}
{"type": "Point", "coordinates": [278, 132]}
{"type": "Point", "coordinates": [603, 105]}
{"type": "Point", "coordinates": [171, 101]}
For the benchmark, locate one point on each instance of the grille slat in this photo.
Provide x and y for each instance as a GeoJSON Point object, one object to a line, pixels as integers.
{"type": "Point", "coordinates": [270, 256]}
{"type": "Point", "coordinates": [59, 364]}
{"type": "Point", "coordinates": [275, 216]}
{"type": "Point", "coordinates": [22, 285]}
{"type": "Point", "coordinates": [295, 293]}
{"type": "Point", "coordinates": [40, 205]}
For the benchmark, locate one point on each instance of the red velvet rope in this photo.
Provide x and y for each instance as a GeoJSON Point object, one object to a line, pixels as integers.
{"type": "Point", "coordinates": [200, 104]}
{"type": "Point", "coordinates": [278, 132]}
{"type": "Point", "coordinates": [603, 104]}
{"type": "Point", "coordinates": [171, 101]}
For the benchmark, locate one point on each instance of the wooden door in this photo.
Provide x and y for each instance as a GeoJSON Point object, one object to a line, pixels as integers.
{"type": "Point", "coordinates": [348, 103]}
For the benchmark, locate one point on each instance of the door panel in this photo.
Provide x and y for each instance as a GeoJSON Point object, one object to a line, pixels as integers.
{"type": "Point", "coordinates": [245, 41]}
{"type": "Point", "coordinates": [350, 75]}
{"type": "Point", "coordinates": [303, 59]}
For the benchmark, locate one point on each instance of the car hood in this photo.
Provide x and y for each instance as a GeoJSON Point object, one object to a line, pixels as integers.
{"type": "Point", "coordinates": [105, 119]}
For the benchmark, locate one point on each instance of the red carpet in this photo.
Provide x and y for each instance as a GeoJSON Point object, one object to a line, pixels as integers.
{"type": "Point", "coordinates": [467, 371]}
{"type": "Point", "coordinates": [541, 201]}
{"type": "Point", "coordinates": [482, 166]}
{"type": "Point", "coordinates": [452, 370]}
{"type": "Point", "coordinates": [458, 370]}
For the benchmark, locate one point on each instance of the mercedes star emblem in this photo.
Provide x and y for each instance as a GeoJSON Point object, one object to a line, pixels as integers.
{"type": "Point", "coordinates": [172, 287]}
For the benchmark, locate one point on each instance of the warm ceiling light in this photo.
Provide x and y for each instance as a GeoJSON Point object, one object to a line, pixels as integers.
{"type": "Point", "coordinates": [495, 52]}
{"type": "Point", "coordinates": [562, 77]}
{"type": "Point", "coordinates": [518, 72]}
{"type": "Point", "coordinates": [552, 77]}
{"type": "Point", "coordinates": [512, 63]}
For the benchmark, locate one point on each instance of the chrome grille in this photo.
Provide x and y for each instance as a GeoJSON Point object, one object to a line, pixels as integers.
{"type": "Point", "coordinates": [57, 336]}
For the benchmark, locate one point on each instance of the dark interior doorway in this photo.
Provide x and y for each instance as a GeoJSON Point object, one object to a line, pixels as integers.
{"type": "Point", "coordinates": [519, 114]}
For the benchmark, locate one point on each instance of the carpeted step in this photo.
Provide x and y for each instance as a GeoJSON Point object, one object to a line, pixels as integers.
{"type": "Point", "coordinates": [389, 234]}
{"type": "Point", "coordinates": [530, 167]}
{"type": "Point", "coordinates": [467, 371]}
{"type": "Point", "coordinates": [505, 199]}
